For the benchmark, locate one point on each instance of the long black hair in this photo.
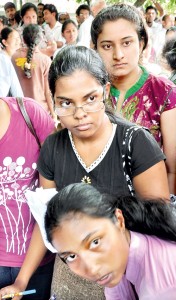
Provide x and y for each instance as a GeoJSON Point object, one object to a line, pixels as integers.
{"type": "Point", "coordinates": [144, 216]}
{"type": "Point", "coordinates": [115, 12]}
{"type": "Point", "coordinates": [32, 36]}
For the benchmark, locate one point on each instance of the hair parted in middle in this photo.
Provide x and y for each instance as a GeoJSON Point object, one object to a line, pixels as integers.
{"type": "Point", "coordinates": [114, 13]}
{"type": "Point", "coordinates": [73, 58]}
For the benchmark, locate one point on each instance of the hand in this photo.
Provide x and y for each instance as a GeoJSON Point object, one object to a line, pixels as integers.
{"type": "Point", "coordinates": [52, 45]}
{"type": "Point", "coordinates": [11, 289]}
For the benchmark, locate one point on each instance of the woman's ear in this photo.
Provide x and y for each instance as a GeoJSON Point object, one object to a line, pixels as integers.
{"type": "Point", "coordinates": [107, 90]}
{"type": "Point", "coordinates": [4, 43]}
{"type": "Point", "coordinates": [120, 219]}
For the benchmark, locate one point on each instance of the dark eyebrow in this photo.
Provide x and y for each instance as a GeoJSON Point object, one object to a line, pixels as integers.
{"type": "Point", "coordinates": [82, 242]}
{"type": "Point", "coordinates": [126, 37]}
{"type": "Point", "coordinates": [69, 99]}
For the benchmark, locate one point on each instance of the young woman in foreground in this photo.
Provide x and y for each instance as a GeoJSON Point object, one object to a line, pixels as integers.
{"type": "Point", "coordinates": [94, 146]}
{"type": "Point", "coordinates": [125, 244]}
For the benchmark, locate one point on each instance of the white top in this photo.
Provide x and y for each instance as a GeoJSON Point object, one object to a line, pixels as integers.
{"type": "Point", "coordinates": [8, 78]}
{"type": "Point", "coordinates": [53, 34]}
{"type": "Point", "coordinates": [84, 37]}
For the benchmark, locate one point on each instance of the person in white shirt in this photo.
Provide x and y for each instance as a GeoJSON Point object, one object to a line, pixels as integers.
{"type": "Point", "coordinates": [84, 37]}
{"type": "Point", "coordinates": [159, 38]}
{"type": "Point", "coordinates": [82, 13]}
{"type": "Point", "coordinates": [52, 27]}
{"type": "Point", "coordinates": [9, 83]}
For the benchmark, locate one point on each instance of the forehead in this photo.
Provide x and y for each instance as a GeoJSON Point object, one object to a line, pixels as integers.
{"type": "Point", "coordinates": [170, 18]}
{"type": "Point", "coordinates": [151, 11]}
{"type": "Point", "coordinates": [118, 29]}
{"type": "Point", "coordinates": [10, 9]}
{"type": "Point", "coordinates": [30, 11]}
{"type": "Point", "coordinates": [82, 76]}
{"type": "Point", "coordinates": [70, 26]}
{"type": "Point", "coordinates": [76, 227]}
{"type": "Point", "coordinates": [47, 11]}
{"type": "Point", "coordinates": [84, 11]}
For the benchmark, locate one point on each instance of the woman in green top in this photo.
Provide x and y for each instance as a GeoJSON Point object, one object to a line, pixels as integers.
{"type": "Point", "coordinates": [119, 35]}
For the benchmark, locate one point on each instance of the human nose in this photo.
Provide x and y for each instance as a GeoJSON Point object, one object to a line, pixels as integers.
{"type": "Point", "coordinates": [79, 112]}
{"type": "Point", "coordinates": [118, 53]}
{"type": "Point", "coordinates": [89, 268]}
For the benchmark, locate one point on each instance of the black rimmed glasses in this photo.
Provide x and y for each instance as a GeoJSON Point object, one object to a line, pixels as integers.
{"type": "Point", "coordinates": [71, 109]}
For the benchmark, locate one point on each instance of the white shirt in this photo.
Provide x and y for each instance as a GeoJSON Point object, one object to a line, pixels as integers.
{"type": "Point", "coordinates": [8, 78]}
{"type": "Point", "coordinates": [53, 34]}
{"type": "Point", "coordinates": [84, 36]}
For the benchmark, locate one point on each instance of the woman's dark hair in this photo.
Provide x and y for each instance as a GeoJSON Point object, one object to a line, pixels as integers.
{"type": "Point", "coordinates": [5, 34]}
{"type": "Point", "coordinates": [32, 36]}
{"type": "Point", "coordinates": [145, 216]}
{"type": "Point", "coordinates": [69, 21]}
{"type": "Point", "coordinates": [26, 7]}
{"type": "Point", "coordinates": [18, 16]}
{"type": "Point", "coordinates": [115, 12]}
{"type": "Point", "coordinates": [73, 58]}
{"type": "Point", "coordinates": [169, 53]}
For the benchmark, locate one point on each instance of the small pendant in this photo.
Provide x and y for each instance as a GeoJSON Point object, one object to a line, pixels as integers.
{"type": "Point", "coordinates": [86, 179]}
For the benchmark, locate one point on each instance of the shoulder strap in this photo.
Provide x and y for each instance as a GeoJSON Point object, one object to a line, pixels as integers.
{"type": "Point", "coordinates": [27, 119]}
{"type": "Point", "coordinates": [126, 156]}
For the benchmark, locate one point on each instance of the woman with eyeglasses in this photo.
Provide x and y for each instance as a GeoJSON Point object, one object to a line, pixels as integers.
{"type": "Point", "coordinates": [95, 147]}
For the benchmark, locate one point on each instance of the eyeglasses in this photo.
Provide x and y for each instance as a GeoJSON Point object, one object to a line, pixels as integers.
{"type": "Point", "coordinates": [93, 106]}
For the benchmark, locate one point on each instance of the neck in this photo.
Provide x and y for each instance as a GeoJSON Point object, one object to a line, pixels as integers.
{"type": "Point", "coordinates": [149, 24]}
{"type": "Point", "coordinates": [102, 134]}
{"type": "Point", "coordinates": [52, 24]}
{"type": "Point", "coordinates": [7, 52]}
{"type": "Point", "coordinates": [124, 83]}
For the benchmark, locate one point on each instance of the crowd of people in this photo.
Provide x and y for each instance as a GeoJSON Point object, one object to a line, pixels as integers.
{"type": "Point", "coordinates": [99, 92]}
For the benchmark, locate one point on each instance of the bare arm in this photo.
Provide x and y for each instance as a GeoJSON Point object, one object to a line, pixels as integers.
{"type": "Point", "coordinates": [45, 183]}
{"type": "Point", "coordinates": [168, 130]}
{"type": "Point", "coordinates": [35, 254]}
{"type": "Point", "coordinates": [158, 7]}
{"type": "Point", "coordinates": [153, 182]}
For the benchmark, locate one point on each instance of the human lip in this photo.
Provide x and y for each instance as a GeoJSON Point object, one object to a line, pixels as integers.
{"type": "Point", "coordinates": [121, 65]}
{"type": "Point", "coordinates": [83, 127]}
{"type": "Point", "coordinates": [104, 280]}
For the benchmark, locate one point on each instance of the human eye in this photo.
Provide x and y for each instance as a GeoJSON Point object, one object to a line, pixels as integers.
{"type": "Point", "coordinates": [65, 104]}
{"type": "Point", "coordinates": [126, 43]}
{"type": "Point", "coordinates": [91, 98]}
{"type": "Point", "coordinates": [107, 46]}
{"type": "Point", "coordinates": [69, 258]}
{"type": "Point", "coordinates": [95, 243]}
